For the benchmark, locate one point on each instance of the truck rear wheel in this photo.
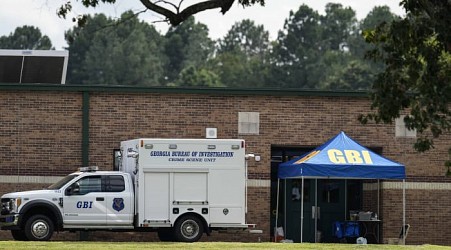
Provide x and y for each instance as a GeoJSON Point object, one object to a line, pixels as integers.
{"type": "Point", "coordinates": [19, 235]}
{"type": "Point", "coordinates": [166, 234]}
{"type": "Point", "coordinates": [39, 228]}
{"type": "Point", "coordinates": [189, 228]}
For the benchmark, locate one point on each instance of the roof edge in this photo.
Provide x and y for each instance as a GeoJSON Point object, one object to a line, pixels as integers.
{"type": "Point", "coordinates": [181, 90]}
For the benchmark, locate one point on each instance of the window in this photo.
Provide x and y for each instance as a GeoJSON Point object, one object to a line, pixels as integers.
{"type": "Point", "coordinates": [401, 130]}
{"type": "Point", "coordinates": [90, 184]}
{"type": "Point", "coordinates": [248, 123]}
{"type": "Point", "coordinates": [115, 183]}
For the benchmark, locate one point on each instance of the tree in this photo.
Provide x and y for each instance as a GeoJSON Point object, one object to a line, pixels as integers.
{"type": "Point", "coordinates": [192, 77]}
{"type": "Point", "coordinates": [338, 25]}
{"type": "Point", "coordinates": [242, 56]}
{"type": "Point", "coordinates": [173, 11]}
{"type": "Point", "coordinates": [313, 49]}
{"type": "Point", "coordinates": [296, 48]}
{"type": "Point", "coordinates": [416, 80]}
{"type": "Point", "coordinates": [26, 37]}
{"type": "Point", "coordinates": [108, 51]}
{"type": "Point", "coordinates": [378, 15]}
{"type": "Point", "coordinates": [246, 37]}
{"type": "Point", "coordinates": [186, 45]}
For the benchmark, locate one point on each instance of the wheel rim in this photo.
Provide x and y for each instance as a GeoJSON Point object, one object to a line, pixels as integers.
{"type": "Point", "coordinates": [190, 229]}
{"type": "Point", "coordinates": [40, 229]}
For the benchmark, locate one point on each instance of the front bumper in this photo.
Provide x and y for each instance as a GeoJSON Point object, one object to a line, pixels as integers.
{"type": "Point", "coordinates": [9, 221]}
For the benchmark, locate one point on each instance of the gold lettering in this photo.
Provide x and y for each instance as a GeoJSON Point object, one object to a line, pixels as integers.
{"type": "Point", "coordinates": [367, 157]}
{"type": "Point", "coordinates": [353, 156]}
{"type": "Point", "coordinates": [336, 156]}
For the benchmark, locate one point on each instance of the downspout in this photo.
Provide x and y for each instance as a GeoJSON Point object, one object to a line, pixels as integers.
{"type": "Point", "coordinates": [84, 235]}
{"type": "Point", "coordinates": [85, 129]}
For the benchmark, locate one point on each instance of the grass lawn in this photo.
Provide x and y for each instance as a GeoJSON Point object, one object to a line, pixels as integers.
{"type": "Point", "coordinates": [57, 245]}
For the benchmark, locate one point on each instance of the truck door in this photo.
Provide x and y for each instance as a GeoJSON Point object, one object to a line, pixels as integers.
{"type": "Point", "coordinates": [119, 200]}
{"type": "Point", "coordinates": [84, 202]}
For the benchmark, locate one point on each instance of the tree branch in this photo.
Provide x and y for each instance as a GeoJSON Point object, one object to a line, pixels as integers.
{"type": "Point", "coordinates": [177, 18]}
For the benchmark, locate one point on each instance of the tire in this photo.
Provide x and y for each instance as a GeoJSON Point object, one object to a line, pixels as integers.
{"type": "Point", "coordinates": [19, 235]}
{"type": "Point", "coordinates": [39, 228]}
{"type": "Point", "coordinates": [189, 228]}
{"type": "Point", "coordinates": [166, 234]}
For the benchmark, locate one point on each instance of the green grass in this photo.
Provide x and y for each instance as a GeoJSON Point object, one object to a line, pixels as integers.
{"type": "Point", "coordinates": [57, 245]}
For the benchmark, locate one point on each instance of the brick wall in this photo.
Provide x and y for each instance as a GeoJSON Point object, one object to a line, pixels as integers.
{"type": "Point", "coordinates": [40, 135]}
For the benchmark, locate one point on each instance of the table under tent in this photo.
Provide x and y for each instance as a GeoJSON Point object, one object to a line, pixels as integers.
{"type": "Point", "coordinates": [339, 158]}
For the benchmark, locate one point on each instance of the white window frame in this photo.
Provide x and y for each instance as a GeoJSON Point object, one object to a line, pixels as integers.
{"type": "Point", "coordinates": [401, 130]}
{"type": "Point", "coordinates": [248, 123]}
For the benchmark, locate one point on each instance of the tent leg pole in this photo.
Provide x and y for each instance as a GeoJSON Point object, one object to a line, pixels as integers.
{"type": "Point", "coordinates": [404, 211]}
{"type": "Point", "coordinates": [277, 210]}
{"type": "Point", "coordinates": [378, 212]}
{"type": "Point", "coordinates": [302, 209]}
{"type": "Point", "coordinates": [285, 207]}
{"type": "Point", "coordinates": [346, 198]}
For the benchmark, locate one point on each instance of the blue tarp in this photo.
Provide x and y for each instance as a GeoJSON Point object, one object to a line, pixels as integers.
{"type": "Point", "coordinates": [342, 157]}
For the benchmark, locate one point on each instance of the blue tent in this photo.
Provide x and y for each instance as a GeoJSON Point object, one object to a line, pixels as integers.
{"type": "Point", "coordinates": [342, 157]}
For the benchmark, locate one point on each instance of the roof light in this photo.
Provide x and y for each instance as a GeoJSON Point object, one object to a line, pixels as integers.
{"type": "Point", "coordinates": [88, 169]}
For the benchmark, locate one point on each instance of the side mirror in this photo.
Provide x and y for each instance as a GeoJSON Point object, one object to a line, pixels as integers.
{"type": "Point", "coordinates": [73, 189]}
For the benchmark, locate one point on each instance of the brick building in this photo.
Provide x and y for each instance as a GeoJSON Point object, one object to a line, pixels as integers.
{"type": "Point", "coordinates": [47, 131]}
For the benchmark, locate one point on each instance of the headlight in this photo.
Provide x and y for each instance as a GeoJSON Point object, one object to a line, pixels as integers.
{"type": "Point", "coordinates": [11, 205]}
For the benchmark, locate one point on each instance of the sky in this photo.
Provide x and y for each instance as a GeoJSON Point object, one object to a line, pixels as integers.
{"type": "Point", "coordinates": [42, 14]}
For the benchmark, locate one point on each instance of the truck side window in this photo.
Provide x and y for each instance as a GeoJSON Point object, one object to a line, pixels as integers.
{"type": "Point", "coordinates": [90, 184]}
{"type": "Point", "coordinates": [115, 183]}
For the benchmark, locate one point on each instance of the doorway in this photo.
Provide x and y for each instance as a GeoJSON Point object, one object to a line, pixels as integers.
{"type": "Point", "coordinates": [325, 200]}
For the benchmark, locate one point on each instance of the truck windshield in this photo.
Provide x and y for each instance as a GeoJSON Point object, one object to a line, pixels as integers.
{"type": "Point", "coordinates": [62, 182]}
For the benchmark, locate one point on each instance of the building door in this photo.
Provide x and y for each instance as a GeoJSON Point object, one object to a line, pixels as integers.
{"type": "Point", "coordinates": [331, 206]}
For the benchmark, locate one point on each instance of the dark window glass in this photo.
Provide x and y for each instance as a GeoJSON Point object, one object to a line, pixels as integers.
{"type": "Point", "coordinates": [10, 69]}
{"type": "Point", "coordinates": [115, 183]}
{"type": "Point", "coordinates": [90, 184]}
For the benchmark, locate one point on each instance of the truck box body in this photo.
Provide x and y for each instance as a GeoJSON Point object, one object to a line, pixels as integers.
{"type": "Point", "coordinates": [173, 177]}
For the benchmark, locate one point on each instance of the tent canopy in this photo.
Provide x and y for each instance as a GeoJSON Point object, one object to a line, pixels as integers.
{"type": "Point", "coordinates": [342, 157]}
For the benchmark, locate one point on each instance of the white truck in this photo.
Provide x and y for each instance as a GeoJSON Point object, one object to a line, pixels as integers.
{"type": "Point", "coordinates": [180, 188]}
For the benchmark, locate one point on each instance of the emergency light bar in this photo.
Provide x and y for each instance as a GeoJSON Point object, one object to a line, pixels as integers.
{"type": "Point", "coordinates": [88, 169]}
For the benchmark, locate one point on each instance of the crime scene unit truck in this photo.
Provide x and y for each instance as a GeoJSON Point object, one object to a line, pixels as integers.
{"type": "Point", "coordinates": [180, 188]}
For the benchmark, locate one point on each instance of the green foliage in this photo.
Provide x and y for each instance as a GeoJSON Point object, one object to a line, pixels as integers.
{"type": "Point", "coordinates": [115, 52]}
{"type": "Point", "coordinates": [192, 77]}
{"type": "Point", "coordinates": [313, 51]}
{"type": "Point", "coordinates": [297, 48]}
{"type": "Point", "coordinates": [241, 58]}
{"type": "Point", "coordinates": [186, 45]}
{"type": "Point", "coordinates": [26, 37]}
{"type": "Point", "coordinates": [416, 80]}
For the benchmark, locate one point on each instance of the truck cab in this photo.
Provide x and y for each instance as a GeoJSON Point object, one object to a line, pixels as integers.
{"type": "Point", "coordinates": [84, 199]}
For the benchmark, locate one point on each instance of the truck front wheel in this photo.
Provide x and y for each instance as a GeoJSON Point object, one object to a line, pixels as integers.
{"type": "Point", "coordinates": [39, 228]}
{"type": "Point", "coordinates": [188, 229]}
{"type": "Point", "coordinates": [19, 235]}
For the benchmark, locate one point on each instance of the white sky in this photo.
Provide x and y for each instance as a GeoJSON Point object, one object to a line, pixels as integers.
{"type": "Point", "coordinates": [42, 14]}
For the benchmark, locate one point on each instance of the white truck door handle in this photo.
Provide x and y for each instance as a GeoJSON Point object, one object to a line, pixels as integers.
{"type": "Point", "coordinates": [100, 199]}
